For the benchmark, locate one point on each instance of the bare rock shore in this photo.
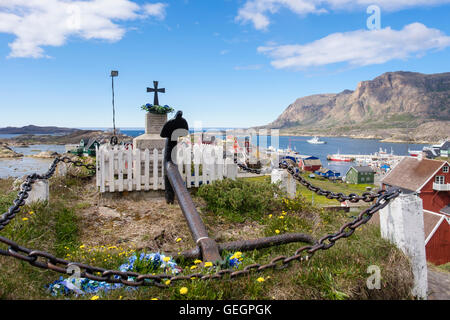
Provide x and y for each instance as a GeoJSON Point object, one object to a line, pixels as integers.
{"type": "Point", "coordinates": [7, 152]}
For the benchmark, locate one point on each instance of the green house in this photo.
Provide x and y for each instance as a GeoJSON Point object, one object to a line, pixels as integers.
{"type": "Point", "coordinates": [360, 175]}
{"type": "Point", "coordinates": [86, 147]}
{"type": "Point", "coordinates": [89, 146]}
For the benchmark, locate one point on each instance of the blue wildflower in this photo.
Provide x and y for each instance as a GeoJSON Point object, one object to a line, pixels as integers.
{"type": "Point", "coordinates": [82, 286]}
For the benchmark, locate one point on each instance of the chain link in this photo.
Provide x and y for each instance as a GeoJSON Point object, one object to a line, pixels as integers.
{"type": "Point", "coordinates": [26, 186]}
{"type": "Point", "coordinates": [352, 197]}
{"type": "Point", "coordinates": [45, 260]}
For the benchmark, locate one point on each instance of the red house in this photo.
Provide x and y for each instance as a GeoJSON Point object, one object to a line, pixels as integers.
{"type": "Point", "coordinates": [430, 179]}
{"type": "Point", "coordinates": [310, 164]}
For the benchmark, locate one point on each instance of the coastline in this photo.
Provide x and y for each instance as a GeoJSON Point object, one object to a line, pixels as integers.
{"type": "Point", "coordinates": [380, 139]}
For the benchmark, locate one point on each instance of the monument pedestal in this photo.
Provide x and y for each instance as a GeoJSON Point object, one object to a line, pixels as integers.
{"type": "Point", "coordinates": [151, 139]}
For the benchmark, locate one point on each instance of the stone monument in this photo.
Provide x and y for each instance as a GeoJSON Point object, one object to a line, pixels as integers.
{"type": "Point", "coordinates": [155, 119]}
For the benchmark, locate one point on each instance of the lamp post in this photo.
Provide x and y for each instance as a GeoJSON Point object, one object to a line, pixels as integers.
{"type": "Point", "coordinates": [114, 73]}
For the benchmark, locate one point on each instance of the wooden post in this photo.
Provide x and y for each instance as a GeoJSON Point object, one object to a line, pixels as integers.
{"type": "Point", "coordinates": [155, 169]}
{"type": "Point", "coordinates": [121, 163]}
{"type": "Point", "coordinates": [137, 169]}
{"type": "Point", "coordinates": [147, 170]}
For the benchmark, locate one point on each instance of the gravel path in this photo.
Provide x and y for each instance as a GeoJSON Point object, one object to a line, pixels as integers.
{"type": "Point", "coordinates": [438, 285]}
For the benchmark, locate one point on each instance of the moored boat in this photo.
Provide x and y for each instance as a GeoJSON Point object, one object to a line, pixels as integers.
{"type": "Point", "coordinates": [338, 157]}
{"type": "Point", "coordinates": [414, 153]}
{"type": "Point", "coordinates": [315, 140]}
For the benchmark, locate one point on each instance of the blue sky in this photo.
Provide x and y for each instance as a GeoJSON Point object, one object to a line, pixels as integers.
{"type": "Point", "coordinates": [226, 63]}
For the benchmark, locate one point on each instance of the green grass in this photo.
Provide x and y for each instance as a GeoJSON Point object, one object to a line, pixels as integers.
{"type": "Point", "coordinates": [443, 267]}
{"type": "Point", "coordinates": [241, 200]}
{"type": "Point", "coordinates": [332, 186]}
{"type": "Point", "coordinates": [338, 273]}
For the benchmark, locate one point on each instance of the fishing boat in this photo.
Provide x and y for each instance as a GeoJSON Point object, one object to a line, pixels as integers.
{"type": "Point", "coordinates": [340, 157]}
{"type": "Point", "coordinates": [315, 140]}
{"type": "Point", "coordinates": [414, 153]}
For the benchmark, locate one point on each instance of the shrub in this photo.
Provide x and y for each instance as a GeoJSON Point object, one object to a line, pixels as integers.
{"type": "Point", "coordinates": [241, 199]}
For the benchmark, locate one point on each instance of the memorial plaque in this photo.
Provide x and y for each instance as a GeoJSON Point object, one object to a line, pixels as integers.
{"type": "Point", "coordinates": [154, 123]}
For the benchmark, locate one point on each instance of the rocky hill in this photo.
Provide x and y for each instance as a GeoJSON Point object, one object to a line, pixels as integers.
{"type": "Point", "coordinates": [71, 138]}
{"type": "Point", "coordinates": [31, 129]}
{"type": "Point", "coordinates": [396, 106]}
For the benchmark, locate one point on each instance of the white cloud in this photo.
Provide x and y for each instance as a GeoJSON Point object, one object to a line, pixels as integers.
{"type": "Point", "coordinates": [38, 23]}
{"type": "Point", "coordinates": [157, 10]}
{"type": "Point", "coordinates": [361, 47]}
{"type": "Point", "coordinates": [257, 11]}
{"type": "Point", "coordinates": [249, 67]}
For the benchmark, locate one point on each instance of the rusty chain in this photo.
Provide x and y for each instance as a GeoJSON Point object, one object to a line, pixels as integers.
{"type": "Point", "coordinates": [26, 186]}
{"type": "Point", "coordinates": [352, 197]}
{"type": "Point", "coordinates": [45, 260]}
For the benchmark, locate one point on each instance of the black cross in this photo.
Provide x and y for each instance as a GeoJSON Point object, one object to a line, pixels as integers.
{"type": "Point", "coordinates": [156, 90]}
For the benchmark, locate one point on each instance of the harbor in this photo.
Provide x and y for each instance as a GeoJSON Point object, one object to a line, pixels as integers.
{"type": "Point", "coordinates": [338, 154]}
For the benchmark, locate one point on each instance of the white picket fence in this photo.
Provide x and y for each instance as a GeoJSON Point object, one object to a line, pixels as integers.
{"type": "Point", "coordinates": [120, 169]}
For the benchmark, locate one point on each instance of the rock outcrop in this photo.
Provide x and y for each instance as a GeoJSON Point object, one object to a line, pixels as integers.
{"type": "Point", "coordinates": [407, 104]}
{"type": "Point", "coordinates": [7, 152]}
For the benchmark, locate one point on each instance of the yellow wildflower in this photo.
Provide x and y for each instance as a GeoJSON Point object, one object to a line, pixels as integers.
{"type": "Point", "coordinates": [208, 264]}
{"type": "Point", "coordinates": [277, 231]}
{"type": "Point", "coordinates": [82, 246]}
{"type": "Point", "coordinates": [166, 259]}
{"type": "Point", "coordinates": [270, 215]}
{"type": "Point", "coordinates": [198, 261]}
{"type": "Point", "coordinates": [193, 267]}
{"type": "Point", "coordinates": [95, 298]}
{"type": "Point", "coordinates": [31, 212]}
{"type": "Point", "coordinates": [154, 299]}
{"type": "Point", "coordinates": [260, 279]}
{"type": "Point", "coordinates": [167, 282]}
{"type": "Point", "coordinates": [178, 240]}
{"type": "Point", "coordinates": [281, 217]}
{"type": "Point", "coordinates": [24, 219]}
{"type": "Point", "coordinates": [183, 290]}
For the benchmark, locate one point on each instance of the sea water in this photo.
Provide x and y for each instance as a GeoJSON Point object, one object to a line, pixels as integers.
{"type": "Point", "coordinates": [333, 145]}
{"type": "Point", "coordinates": [18, 167]}
{"type": "Point", "coordinates": [21, 166]}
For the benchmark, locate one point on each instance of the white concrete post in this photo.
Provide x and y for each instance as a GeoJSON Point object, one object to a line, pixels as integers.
{"type": "Point", "coordinates": [401, 222]}
{"type": "Point", "coordinates": [231, 171]}
{"type": "Point", "coordinates": [61, 169]}
{"type": "Point", "coordinates": [287, 184]}
{"type": "Point", "coordinates": [39, 192]}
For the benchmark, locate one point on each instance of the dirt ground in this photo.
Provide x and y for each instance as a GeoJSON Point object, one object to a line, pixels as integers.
{"type": "Point", "coordinates": [149, 223]}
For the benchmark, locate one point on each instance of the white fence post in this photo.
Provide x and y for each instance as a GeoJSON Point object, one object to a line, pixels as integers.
{"type": "Point", "coordinates": [155, 169]}
{"type": "Point", "coordinates": [401, 222]}
{"type": "Point", "coordinates": [144, 169]}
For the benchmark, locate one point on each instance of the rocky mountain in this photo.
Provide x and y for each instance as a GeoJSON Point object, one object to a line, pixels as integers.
{"type": "Point", "coordinates": [399, 106]}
